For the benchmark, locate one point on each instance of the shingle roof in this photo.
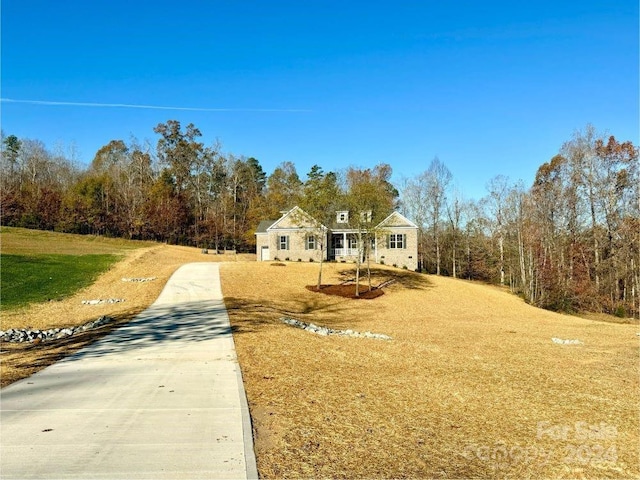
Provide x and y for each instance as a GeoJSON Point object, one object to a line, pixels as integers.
{"type": "Point", "coordinates": [263, 225]}
{"type": "Point", "coordinates": [394, 220]}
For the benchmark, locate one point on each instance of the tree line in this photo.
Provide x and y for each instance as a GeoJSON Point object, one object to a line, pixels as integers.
{"type": "Point", "coordinates": [569, 242]}
{"type": "Point", "coordinates": [181, 192]}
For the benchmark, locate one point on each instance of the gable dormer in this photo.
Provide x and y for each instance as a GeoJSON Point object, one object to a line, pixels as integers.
{"type": "Point", "coordinates": [342, 216]}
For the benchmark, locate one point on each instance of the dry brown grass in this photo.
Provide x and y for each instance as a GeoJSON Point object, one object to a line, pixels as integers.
{"type": "Point", "coordinates": [470, 370]}
{"type": "Point", "coordinates": [471, 386]}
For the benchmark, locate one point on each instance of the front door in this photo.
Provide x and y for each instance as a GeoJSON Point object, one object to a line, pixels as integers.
{"type": "Point", "coordinates": [264, 254]}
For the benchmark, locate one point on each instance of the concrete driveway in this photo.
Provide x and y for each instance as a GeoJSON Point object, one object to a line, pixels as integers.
{"type": "Point", "coordinates": [159, 398]}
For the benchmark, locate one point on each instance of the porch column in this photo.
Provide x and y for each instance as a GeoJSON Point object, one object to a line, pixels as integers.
{"type": "Point", "coordinates": [327, 245]}
{"type": "Point", "coordinates": [344, 244]}
{"type": "Point", "coordinates": [375, 248]}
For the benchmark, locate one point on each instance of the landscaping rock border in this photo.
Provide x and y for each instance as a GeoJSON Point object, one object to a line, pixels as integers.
{"type": "Point", "coordinates": [143, 279]}
{"type": "Point", "coordinates": [565, 342]}
{"type": "Point", "coordinates": [324, 331]}
{"type": "Point", "coordinates": [102, 301]}
{"type": "Point", "coordinates": [16, 335]}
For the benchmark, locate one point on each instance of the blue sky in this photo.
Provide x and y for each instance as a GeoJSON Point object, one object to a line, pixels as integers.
{"type": "Point", "coordinates": [489, 87]}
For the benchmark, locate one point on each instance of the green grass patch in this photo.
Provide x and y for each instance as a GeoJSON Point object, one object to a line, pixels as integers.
{"type": "Point", "coordinates": [29, 279]}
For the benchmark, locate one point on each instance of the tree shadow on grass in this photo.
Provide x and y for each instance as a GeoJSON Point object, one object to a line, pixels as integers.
{"type": "Point", "coordinates": [348, 290]}
{"type": "Point", "coordinates": [387, 276]}
{"type": "Point", "coordinates": [158, 327]}
{"type": "Point", "coordinates": [161, 325]}
{"type": "Point", "coordinates": [249, 316]}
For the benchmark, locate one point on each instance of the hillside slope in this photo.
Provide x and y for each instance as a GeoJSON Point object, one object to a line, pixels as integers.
{"type": "Point", "coordinates": [471, 385]}
{"type": "Point", "coordinates": [139, 260]}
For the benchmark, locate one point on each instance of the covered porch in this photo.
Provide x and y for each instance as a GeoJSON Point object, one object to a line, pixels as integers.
{"type": "Point", "coordinates": [343, 244]}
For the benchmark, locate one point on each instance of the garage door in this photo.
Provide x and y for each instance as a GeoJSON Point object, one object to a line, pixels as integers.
{"type": "Point", "coordinates": [264, 254]}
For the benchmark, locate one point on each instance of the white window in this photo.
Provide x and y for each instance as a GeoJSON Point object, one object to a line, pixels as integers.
{"type": "Point", "coordinates": [283, 242]}
{"type": "Point", "coordinates": [397, 240]}
{"type": "Point", "coordinates": [365, 217]}
{"type": "Point", "coordinates": [342, 217]}
{"type": "Point", "coordinates": [311, 242]}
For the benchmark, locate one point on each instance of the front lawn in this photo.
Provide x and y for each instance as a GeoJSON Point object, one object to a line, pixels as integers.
{"type": "Point", "coordinates": [471, 385]}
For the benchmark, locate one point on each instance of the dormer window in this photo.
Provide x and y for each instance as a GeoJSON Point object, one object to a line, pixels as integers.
{"type": "Point", "coordinates": [342, 217]}
{"type": "Point", "coordinates": [365, 217]}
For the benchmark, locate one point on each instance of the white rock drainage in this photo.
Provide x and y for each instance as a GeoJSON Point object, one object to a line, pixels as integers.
{"type": "Point", "coordinates": [101, 301]}
{"type": "Point", "coordinates": [21, 335]}
{"type": "Point", "coordinates": [565, 342]}
{"type": "Point", "coordinates": [325, 331]}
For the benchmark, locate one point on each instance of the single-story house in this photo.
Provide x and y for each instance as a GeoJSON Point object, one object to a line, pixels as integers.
{"type": "Point", "coordinates": [298, 236]}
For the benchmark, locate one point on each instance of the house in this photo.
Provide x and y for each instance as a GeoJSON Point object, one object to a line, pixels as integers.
{"type": "Point", "coordinates": [298, 236]}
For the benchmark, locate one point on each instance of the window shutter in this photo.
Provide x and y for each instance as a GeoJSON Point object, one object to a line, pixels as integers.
{"type": "Point", "coordinates": [388, 241]}
{"type": "Point", "coordinates": [404, 241]}
{"type": "Point", "coordinates": [287, 242]}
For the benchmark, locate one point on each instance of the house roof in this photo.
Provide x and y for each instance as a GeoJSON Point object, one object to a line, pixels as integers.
{"type": "Point", "coordinates": [263, 225]}
{"type": "Point", "coordinates": [295, 218]}
{"type": "Point", "coordinates": [394, 220]}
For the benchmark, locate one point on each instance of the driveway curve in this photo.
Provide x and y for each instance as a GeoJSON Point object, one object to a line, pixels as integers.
{"type": "Point", "coordinates": [159, 398]}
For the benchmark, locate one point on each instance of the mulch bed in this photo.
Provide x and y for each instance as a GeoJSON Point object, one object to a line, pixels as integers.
{"type": "Point", "coordinates": [348, 291]}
